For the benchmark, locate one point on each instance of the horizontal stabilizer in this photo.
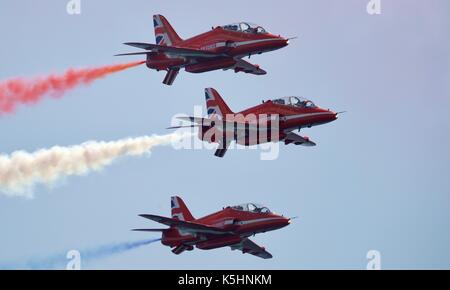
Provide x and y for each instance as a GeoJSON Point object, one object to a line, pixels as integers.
{"type": "Point", "coordinates": [238, 125]}
{"type": "Point", "coordinates": [197, 120]}
{"type": "Point", "coordinates": [149, 230]}
{"type": "Point", "coordinates": [178, 51]}
{"type": "Point", "coordinates": [147, 46]}
{"type": "Point", "coordinates": [187, 126]}
{"type": "Point", "coordinates": [137, 53]}
{"type": "Point", "coordinates": [187, 226]}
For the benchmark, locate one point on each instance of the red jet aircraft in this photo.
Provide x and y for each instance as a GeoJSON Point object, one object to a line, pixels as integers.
{"type": "Point", "coordinates": [221, 48]}
{"type": "Point", "coordinates": [271, 121]}
{"type": "Point", "coordinates": [231, 227]}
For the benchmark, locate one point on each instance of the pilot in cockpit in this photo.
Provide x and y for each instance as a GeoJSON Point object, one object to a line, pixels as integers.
{"type": "Point", "coordinates": [295, 102]}
{"type": "Point", "coordinates": [252, 207]}
{"type": "Point", "coordinates": [245, 27]}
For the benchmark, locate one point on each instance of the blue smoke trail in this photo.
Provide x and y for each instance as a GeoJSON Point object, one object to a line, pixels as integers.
{"type": "Point", "coordinates": [87, 255]}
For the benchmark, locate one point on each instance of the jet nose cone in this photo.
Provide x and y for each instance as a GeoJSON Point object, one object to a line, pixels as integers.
{"type": "Point", "coordinates": [284, 221]}
{"type": "Point", "coordinates": [331, 116]}
{"type": "Point", "coordinates": [281, 41]}
{"type": "Point", "coordinates": [335, 116]}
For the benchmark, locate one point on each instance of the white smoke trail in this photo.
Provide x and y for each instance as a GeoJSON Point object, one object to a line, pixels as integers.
{"type": "Point", "coordinates": [20, 171]}
{"type": "Point", "coordinates": [59, 261]}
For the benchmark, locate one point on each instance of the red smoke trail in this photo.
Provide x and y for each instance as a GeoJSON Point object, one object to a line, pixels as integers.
{"type": "Point", "coordinates": [30, 91]}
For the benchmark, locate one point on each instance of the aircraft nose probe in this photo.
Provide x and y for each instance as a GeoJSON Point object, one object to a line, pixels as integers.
{"type": "Point", "coordinates": [290, 38]}
{"type": "Point", "coordinates": [291, 219]}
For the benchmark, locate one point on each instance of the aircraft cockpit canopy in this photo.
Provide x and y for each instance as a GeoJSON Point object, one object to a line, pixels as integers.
{"type": "Point", "coordinates": [299, 102]}
{"type": "Point", "coordinates": [245, 27]}
{"type": "Point", "coordinates": [252, 207]}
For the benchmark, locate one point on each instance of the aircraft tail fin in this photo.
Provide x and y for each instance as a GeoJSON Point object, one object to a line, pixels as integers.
{"type": "Point", "coordinates": [180, 210]}
{"type": "Point", "coordinates": [164, 32]}
{"type": "Point", "coordinates": [215, 105]}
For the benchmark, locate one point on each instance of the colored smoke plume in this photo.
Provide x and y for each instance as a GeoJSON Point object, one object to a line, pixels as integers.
{"type": "Point", "coordinates": [21, 171]}
{"type": "Point", "coordinates": [18, 91]}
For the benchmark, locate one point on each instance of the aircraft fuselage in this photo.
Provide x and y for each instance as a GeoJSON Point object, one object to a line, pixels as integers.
{"type": "Point", "coordinates": [268, 122]}
{"type": "Point", "coordinates": [241, 224]}
{"type": "Point", "coordinates": [229, 44]}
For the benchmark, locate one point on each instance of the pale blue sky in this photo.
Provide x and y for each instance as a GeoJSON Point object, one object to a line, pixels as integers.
{"type": "Point", "coordinates": [378, 178]}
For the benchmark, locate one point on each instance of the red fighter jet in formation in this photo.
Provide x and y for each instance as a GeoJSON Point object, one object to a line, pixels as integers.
{"type": "Point", "coordinates": [231, 227]}
{"type": "Point", "coordinates": [271, 121]}
{"type": "Point", "coordinates": [221, 48]}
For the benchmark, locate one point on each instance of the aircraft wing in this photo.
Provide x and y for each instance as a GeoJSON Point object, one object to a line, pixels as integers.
{"type": "Point", "coordinates": [248, 246]}
{"type": "Point", "coordinates": [298, 140]}
{"type": "Point", "coordinates": [186, 226]}
{"type": "Point", "coordinates": [242, 65]}
{"type": "Point", "coordinates": [184, 52]}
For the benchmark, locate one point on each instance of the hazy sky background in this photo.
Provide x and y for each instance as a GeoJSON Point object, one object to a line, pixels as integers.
{"type": "Point", "coordinates": [378, 179]}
